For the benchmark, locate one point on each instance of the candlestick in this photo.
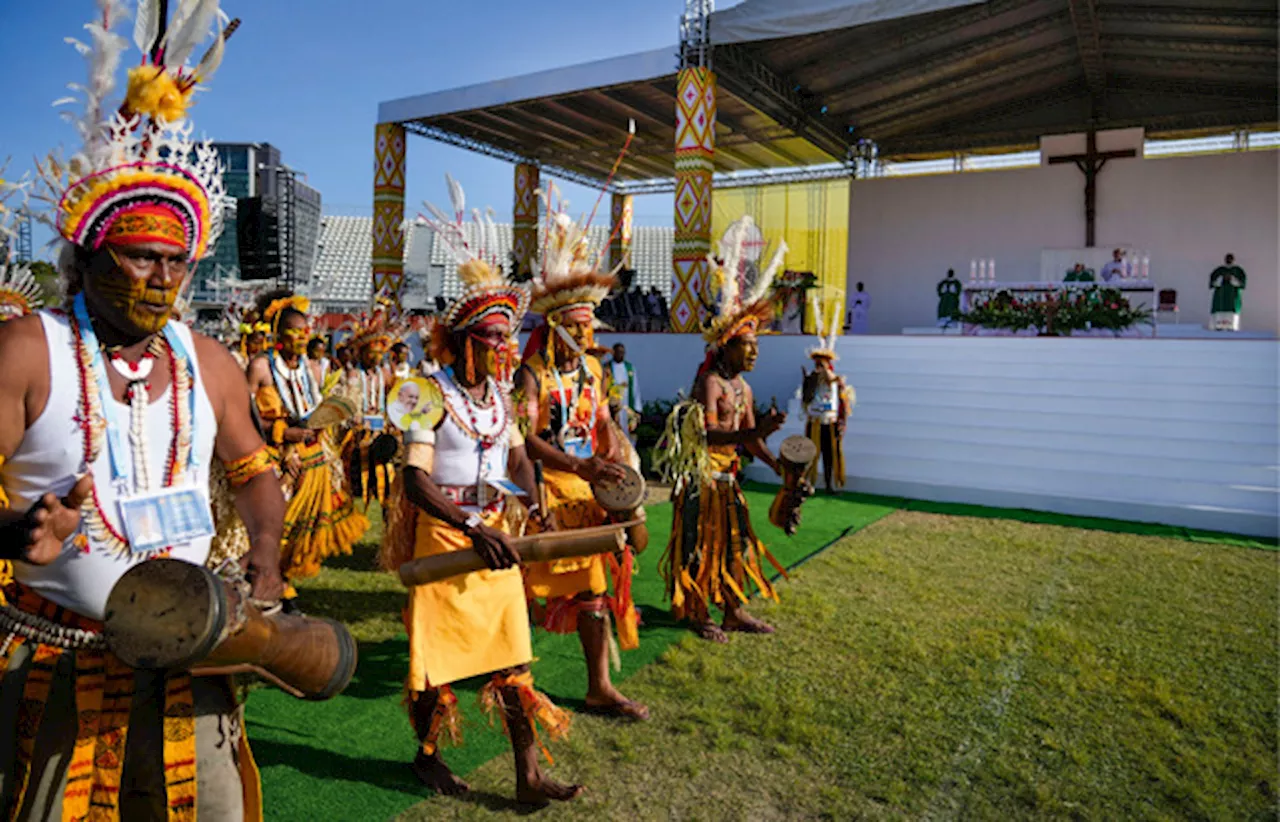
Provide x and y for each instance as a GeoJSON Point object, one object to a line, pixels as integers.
{"type": "Point", "coordinates": [982, 269]}
{"type": "Point", "coordinates": [991, 269]}
{"type": "Point", "coordinates": [973, 270]}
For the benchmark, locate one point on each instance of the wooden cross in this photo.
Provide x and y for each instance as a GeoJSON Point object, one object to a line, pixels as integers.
{"type": "Point", "coordinates": [1090, 163]}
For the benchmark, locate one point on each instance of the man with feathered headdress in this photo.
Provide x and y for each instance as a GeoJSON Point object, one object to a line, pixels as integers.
{"type": "Point", "coordinates": [320, 520]}
{"type": "Point", "coordinates": [827, 399]}
{"type": "Point", "coordinates": [570, 430]}
{"type": "Point", "coordinates": [141, 408]}
{"type": "Point", "coordinates": [714, 555]}
{"type": "Point", "coordinates": [370, 445]}
{"type": "Point", "coordinates": [462, 449]}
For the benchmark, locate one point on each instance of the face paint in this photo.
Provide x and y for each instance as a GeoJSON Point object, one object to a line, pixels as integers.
{"type": "Point", "coordinates": [372, 354]}
{"type": "Point", "coordinates": [293, 341]}
{"type": "Point", "coordinates": [741, 352]}
{"type": "Point", "coordinates": [132, 293]}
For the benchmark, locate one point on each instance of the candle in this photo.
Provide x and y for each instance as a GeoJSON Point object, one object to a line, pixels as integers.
{"type": "Point", "coordinates": [973, 270]}
{"type": "Point", "coordinates": [982, 269]}
{"type": "Point", "coordinates": [991, 269]}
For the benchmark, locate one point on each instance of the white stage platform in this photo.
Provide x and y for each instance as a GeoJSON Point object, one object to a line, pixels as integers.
{"type": "Point", "coordinates": [1166, 331]}
{"type": "Point", "coordinates": [1180, 432]}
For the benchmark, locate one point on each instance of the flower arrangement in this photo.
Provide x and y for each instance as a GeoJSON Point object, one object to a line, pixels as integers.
{"type": "Point", "coordinates": [1058, 313]}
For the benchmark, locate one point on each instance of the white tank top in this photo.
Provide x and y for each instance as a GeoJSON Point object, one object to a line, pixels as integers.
{"type": "Point", "coordinates": [457, 453]}
{"type": "Point", "coordinates": [51, 455]}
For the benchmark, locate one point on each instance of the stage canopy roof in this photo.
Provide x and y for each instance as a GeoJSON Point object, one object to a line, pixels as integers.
{"type": "Point", "coordinates": [803, 81]}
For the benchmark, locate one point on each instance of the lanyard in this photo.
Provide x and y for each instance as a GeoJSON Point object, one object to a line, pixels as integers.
{"type": "Point", "coordinates": [121, 467]}
{"type": "Point", "coordinates": [572, 408]}
{"type": "Point", "coordinates": [284, 385]}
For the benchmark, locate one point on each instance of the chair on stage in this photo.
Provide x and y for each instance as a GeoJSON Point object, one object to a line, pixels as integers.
{"type": "Point", "coordinates": [1166, 303]}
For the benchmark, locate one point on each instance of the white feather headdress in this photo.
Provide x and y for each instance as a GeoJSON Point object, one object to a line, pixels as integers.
{"type": "Point", "coordinates": [827, 328]}
{"type": "Point", "coordinates": [140, 152]}
{"type": "Point", "coordinates": [741, 292]}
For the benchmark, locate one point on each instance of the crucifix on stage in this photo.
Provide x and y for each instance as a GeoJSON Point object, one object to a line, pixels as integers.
{"type": "Point", "coordinates": [1091, 162]}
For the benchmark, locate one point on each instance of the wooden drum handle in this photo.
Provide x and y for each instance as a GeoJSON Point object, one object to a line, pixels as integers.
{"type": "Point", "coordinates": [553, 545]}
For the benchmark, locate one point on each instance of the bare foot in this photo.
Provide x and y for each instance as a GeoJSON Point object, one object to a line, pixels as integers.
{"type": "Point", "coordinates": [744, 623]}
{"type": "Point", "coordinates": [614, 705]}
{"type": "Point", "coordinates": [543, 790]}
{"type": "Point", "coordinates": [433, 773]}
{"type": "Point", "coordinates": [710, 631]}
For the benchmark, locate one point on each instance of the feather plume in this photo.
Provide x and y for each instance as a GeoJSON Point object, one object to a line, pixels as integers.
{"type": "Point", "coordinates": [457, 197]}
{"type": "Point", "coordinates": [819, 324]}
{"type": "Point", "coordinates": [765, 280]}
{"type": "Point", "coordinates": [146, 25]}
{"type": "Point", "coordinates": [189, 31]}
{"type": "Point", "coordinates": [833, 328]}
{"type": "Point", "coordinates": [211, 61]}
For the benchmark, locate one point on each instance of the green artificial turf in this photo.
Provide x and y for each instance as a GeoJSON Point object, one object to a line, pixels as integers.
{"type": "Point", "coordinates": [348, 758]}
{"type": "Point", "coordinates": [942, 667]}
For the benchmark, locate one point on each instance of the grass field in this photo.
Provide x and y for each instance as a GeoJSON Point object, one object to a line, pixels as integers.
{"type": "Point", "coordinates": [929, 666]}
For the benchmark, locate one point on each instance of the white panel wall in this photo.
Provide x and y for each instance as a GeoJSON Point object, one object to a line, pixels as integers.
{"type": "Point", "coordinates": [1182, 432]}
{"type": "Point", "coordinates": [905, 232]}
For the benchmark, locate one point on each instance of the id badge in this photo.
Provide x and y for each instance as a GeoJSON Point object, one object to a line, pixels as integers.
{"type": "Point", "coordinates": [579, 447]}
{"type": "Point", "coordinates": [373, 423]}
{"type": "Point", "coordinates": [506, 487]}
{"type": "Point", "coordinates": [167, 518]}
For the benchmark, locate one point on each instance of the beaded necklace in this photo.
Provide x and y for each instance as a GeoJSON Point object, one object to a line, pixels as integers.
{"type": "Point", "coordinates": [471, 424]}
{"type": "Point", "coordinates": [373, 393]}
{"type": "Point", "coordinates": [94, 422]}
{"type": "Point", "coordinates": [296, 388]}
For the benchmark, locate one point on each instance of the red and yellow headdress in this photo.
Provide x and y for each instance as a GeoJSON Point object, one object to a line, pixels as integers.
{"type": "Point", "coordinates": [139, 176]}
{"type": "Point", "coordinates": [829, 328]}
{"type": "Point", "coordinates": [377, 327]}
{"type": "Point", "coordinates": [739, 303]}
{"type": "Point", "coordinates": [271, 314]}
{"type": "Point", "coordinates": [487, 295]}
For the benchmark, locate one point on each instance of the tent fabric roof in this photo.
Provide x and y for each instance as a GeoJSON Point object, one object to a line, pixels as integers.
{"type": "Point", "coordinates": [770, 19]}
{"type": "Point", "coordinates": [802, 82]}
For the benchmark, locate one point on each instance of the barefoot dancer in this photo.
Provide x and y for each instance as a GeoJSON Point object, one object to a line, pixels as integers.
{"type": "Point", "coordinates": [827, 399]}
{"type": "Point", "coordinates": [114, 400]}
{"type": "Point", "coordinates": [465, 439]}
{"type": "Point", "coordinates": [713, 550]}
{"type": "Point", "coordinates": [562, 391]}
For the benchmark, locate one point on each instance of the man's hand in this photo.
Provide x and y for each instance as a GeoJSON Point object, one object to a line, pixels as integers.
{"type": "Point", "coordinates": [494, 547]}
{"type": "Point", "coordinates": [300, 435]}
{"type": "Point", "coordinates": [47, 524]}
{"type": "Point", "coordinates": [772, 421]}
{"type": "Point", "coordinates": [265, 582]}
{"type": "Point", "coordinates": [595, 469]}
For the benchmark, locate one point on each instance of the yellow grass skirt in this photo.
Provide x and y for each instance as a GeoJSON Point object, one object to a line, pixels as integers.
{"type": "Point", "coordinates": [320, 520]}
{"type": "Point", "coordinates": [714, 556]}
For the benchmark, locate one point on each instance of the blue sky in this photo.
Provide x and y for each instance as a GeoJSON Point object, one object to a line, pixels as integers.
{"type": "Point", "coordinates": [307, 76]}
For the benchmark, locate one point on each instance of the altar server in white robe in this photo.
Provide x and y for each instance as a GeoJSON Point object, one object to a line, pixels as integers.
{"type": "Point", "coordinates": [859, 308]}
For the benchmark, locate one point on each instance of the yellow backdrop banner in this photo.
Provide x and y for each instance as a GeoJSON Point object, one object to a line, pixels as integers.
{"type": "Point", "coordinates": [812, 217]}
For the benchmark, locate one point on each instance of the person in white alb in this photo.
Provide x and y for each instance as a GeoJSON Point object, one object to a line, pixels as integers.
{"type": "Point", "coordinates": [1117, 269]}
{"type": "Point", "coordinates": [623, 391]}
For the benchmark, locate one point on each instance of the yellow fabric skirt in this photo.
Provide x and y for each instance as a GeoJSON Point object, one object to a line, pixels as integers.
{"type": "Point", "coordinates": [320, 520]}
{"type": "Point", "coordinates": [466, 625]}
{"type": "Point", "coordinates": [570, 499]}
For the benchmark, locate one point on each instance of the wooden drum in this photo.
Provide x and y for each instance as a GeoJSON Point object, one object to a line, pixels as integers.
{"type": "Point", "coordinates": [545, 547]}
{"type": "Point", "coordinates": [172, 615]}
{"type": "Point", "coordinates": [795, 455]}
{"type": "Point", "coordinates": [623, 499]}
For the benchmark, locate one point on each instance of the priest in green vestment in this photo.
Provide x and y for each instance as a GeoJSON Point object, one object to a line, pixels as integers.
{"type": "Point", "coordinates": [1079, 274]}
{"type": "Point", "coordinates": [948, 299]}
{"type": "Point", "coordinates": [1227, 281]}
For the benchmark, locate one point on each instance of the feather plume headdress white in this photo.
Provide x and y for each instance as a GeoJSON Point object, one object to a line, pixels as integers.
{"type": "Point", "coordinates": [20, 294]}
{"type": "Point", "coordinates": [568, 272]}
{"type": "Point", "coordinates": [739, 302]}
{"type": "Point", "coordinates": [138, 157]}
{"type": "Point", "coordinates": [827, 328]}
{"type": "Point", "coordinates": [486, 291]}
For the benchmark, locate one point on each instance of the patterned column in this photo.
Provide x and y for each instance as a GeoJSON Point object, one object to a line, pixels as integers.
{"type": "Point", "coordinates": [388, 210]}
{"type": "Point", "coordinates": [695, 150]}
{"type": "Point", "coordinates": [620, 247]}
{"type": "Point", "coordinates": [524, 239]}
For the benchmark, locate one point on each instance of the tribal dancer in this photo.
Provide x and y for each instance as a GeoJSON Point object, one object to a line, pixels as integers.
{"type": "Point", "coordinates": [478, 623]}
{"type": "Point", "coordinates": [713, 550]}
{"type": "Point", "coordinates": [370, 381]}
{"type": "Point", "coordinates": [827, 399]}
{"type": "Point", "coordinates": [320, 521]}
{"type": "Point", "coordinates": [151, 406]}
{"type": "Point", "coordinates": [563, 400]}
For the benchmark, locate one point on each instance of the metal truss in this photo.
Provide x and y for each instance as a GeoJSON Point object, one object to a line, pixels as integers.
{"type": "Point", "coordinates": [1084, 18]}
{"type": "Point", "coordinates": [497, 152]}
{"type": "Point", "coordinates": [780, 98]}
{"type": "Point", "coordinates": [695, 33]}
{"type": "Point", "coordinates": [745, 179]}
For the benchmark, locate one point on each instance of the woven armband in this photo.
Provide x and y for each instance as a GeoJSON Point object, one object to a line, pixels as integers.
{"type": "Point", "coordinates": [241, 471]}
{"type": "Point", "coordinates": [420, 455]}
